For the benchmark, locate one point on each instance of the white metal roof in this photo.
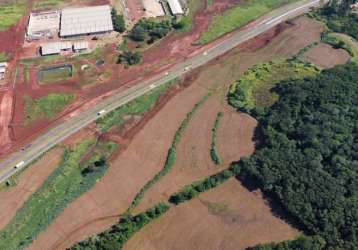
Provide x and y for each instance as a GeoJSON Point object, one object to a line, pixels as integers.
{"type": "Point", "coordinates": [55, 48]}
{"type": "Point", "coordinates": [153, 8]}
{"type": "Point", "coordinates": [175, 7]}
{"type": "Point", "coordinates": [80, 21]}
{"type": "Point", "coordinates": [80, 45]}
{"type": "Point", "coordinates": [2, 70]}
{"type": "Point", "coordinates": [43, 21]}
{"type": "Point", "coordinates": [3, 64]}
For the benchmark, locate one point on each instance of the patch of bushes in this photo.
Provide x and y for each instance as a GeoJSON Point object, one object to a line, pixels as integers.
{"type": "Point", "coordinates": [129, 58]}
{"type": "Point", "coordinates": [171, 156]}
{"type": "Point", "coordinates": [301, 243]}
{"type": "Point", "coordinates": [63, 186]}
{"type": "Point", "coordinates": [119, 24]}
{"type": "Point", "coordinates": [191, 191]}
{"type": "Point", "coordinates": [214, 151]}
{"type": "Point", "coordinates": [148, 30]}
{"type": "Point", "coordinates": [120, 233]}
{"type": "Point", "coordinates": [252, 93]}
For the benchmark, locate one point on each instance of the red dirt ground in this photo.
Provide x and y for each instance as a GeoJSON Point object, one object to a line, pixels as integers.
{"type": "Point", "coordinates": [323, 55]}
{"type": "Point", "coordinates": [140, 161]}
{"type": "Point", "coordinates": [28, 182]}
{"type": "Point", "coordinates": [227, 217]}
{"type": "Point", "coordinates": [6, 105]}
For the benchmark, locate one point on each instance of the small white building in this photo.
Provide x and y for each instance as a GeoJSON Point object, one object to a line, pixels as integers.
{"type": "Point", "coordinates": [153, 8]}
{"type": "Point", "coordinates": [55, 48]}
{"type": "Point", "coordinates": [175, 7]}
{"type": "Point", "coordinates": [3, 66]}
{"type": "Point", "coordinates": [80, 46]}
{"type": "Point", "coordinates": [43, 24]}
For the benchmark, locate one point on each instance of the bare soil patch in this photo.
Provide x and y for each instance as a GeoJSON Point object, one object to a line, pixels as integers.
{"type": "Point", "coordinates": [145, 154]}
{"type": "Point", "coordinates": [28, 182]}
{"type": "Point", "coordinates": [325, 56]}
{"type": "Point", "coordinates": [227, 217]}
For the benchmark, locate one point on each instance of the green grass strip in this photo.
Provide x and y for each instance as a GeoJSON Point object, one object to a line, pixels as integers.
{"type": "Point", "coordinates": [214, 151]}
{"type": "Point", "coordinates": [171, 156]}
{"type": "Point", "coordinates": [63, 186]}
{"type": "Point", "coordinates": [239, 16]}
{"type": "Point", "coordinates": [138, 106]}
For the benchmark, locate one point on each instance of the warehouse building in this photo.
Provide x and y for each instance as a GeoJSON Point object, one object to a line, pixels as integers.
{"type": "Point", "coordinates": [86, 21]}
{"type": "Point", "coordinates": [42, 25]}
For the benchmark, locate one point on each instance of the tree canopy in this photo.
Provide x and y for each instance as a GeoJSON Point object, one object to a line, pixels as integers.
{"type": "Point", "coordinates": [307, 158]}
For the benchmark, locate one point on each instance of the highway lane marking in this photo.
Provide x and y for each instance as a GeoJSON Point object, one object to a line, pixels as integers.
{"type": "Point", "coordinates": [291, 11]}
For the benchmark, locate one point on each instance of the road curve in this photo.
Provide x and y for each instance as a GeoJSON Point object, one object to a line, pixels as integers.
{"type": "Point", "coordinates": [62, 131]}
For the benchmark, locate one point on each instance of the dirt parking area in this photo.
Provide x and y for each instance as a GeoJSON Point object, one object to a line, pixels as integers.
{"type": "Point", "coordinates": [100, 207]}
{"type": "Point", "coordinates": [227, 217]}
{"type": "Point", "coordinates": [29, 181]}
{"type": "Point", "coordinates": [325, 56]}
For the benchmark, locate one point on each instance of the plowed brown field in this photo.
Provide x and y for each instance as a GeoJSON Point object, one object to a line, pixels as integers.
{"type": "Point", "coordinates": [227, 217]}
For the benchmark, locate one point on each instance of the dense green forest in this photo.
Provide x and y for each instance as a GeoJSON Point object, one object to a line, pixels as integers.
{"type": "Point", "coordinates": [307, 159]}
{"type": "Point", "coordinates": [339, 17]}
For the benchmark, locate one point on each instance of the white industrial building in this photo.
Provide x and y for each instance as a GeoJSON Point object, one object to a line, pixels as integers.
{"type": "Point", "coordinates": [86, 21]}
{"type": "Point", "coordinates": [55, 48]}
{"type": "Point", "coordinates": [175, 7]}
{"type": "Point", "coordinates": [44, 24]}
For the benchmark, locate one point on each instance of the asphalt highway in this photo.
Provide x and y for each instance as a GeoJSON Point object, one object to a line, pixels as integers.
{"type": "Point", "coordinates": [46, 141]}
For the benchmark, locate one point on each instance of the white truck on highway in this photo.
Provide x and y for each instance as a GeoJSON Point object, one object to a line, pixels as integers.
{"type": "Point", "coordinates": [20, 164]}
{"type": "Point", "coordinates": [101, 112]}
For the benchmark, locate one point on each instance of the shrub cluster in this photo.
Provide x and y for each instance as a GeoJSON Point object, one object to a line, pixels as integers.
{"type": "Point", "coordinates": [119, 24]}
{"type": "Point", "coordinates": [171, 156]}
{"type": "Point", "coordinates": [120, 233]}
{"type": "Point", "coordinates": [193, 190]}
{"type": "Point", "coordinates": [129, 58]}
{"type": "Point", "coordinates": [214, 151]}
{"type": "Point", "coordinates": [149, 30]}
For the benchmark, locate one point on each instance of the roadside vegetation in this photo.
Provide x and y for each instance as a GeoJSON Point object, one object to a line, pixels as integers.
{"type": "Point", "coordinates": [138, 106]}
{"type": "Point", "coordinates": [79, 170]}
{"type": "Point", "coordinates": [193, 190]}
{"type": "Point", "coordinates": [46, 107]}
{"type": "Point", "coordinates": [120, 233]}
{"type": "Point", "coordinates": [171, 156]}
{"type": "Point", "coordinates": [213, 150]}
{"type": "Point", "coordinates": [239, 16]}
{"type": "Point", "coordinates": [253, 92]}
{"type": "Point", "coordinates": [307, 159]}
{"type": "Point", "coordinates": [11, 12]}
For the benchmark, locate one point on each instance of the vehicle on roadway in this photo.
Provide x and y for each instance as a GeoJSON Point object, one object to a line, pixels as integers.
{"type": "Point", "coordinates": [101, 112]}
{"type": "Point", "coordinates": [19, 165]}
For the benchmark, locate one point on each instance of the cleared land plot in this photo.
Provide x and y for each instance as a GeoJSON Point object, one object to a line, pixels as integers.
{"type": "Point", "coordinates": [227, 217]}
{"type": "Point", "coordinates": [27, 183]}
{"type": "Point", "coordinates": [96, 210]}
{"type": "Point", "coordinates": [351, 43]}
{"type": "Point", "coordinates": [45, 107]}
{"type": "Point", "coordinates": [323, 55]}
